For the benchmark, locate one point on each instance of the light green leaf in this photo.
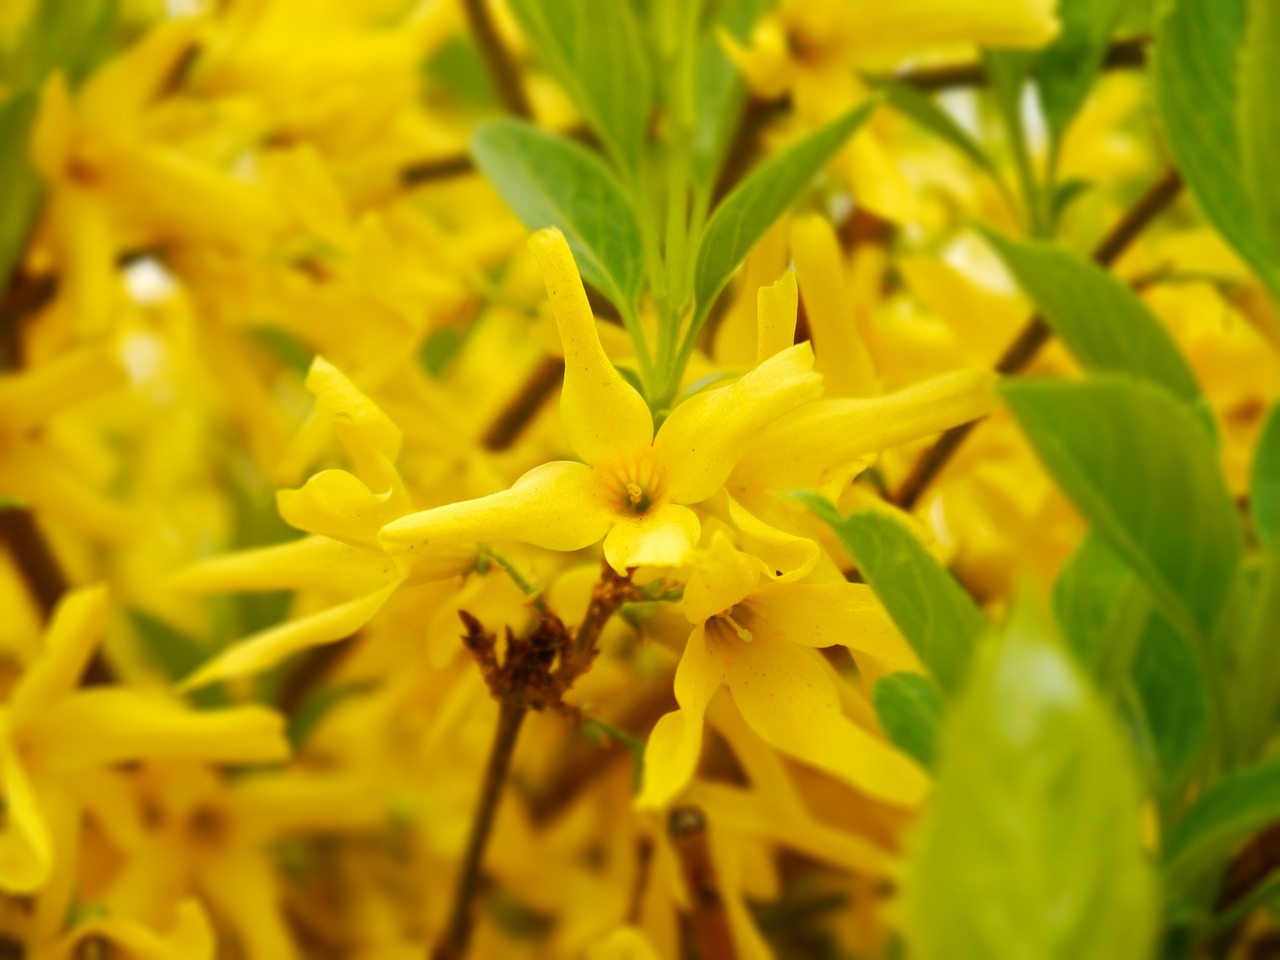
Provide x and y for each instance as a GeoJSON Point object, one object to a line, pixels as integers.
{"type": "Point", "coordinates": [67, 36]}
{"type": "Point", "coordinates": [1194, 70]}
{"type": "Point", "coordinates": [1264, 482]}
{"type": "Point", "coordinates": [1032, 845]}
{"type": "Point", "coordinates": [596, 51]}
{"type": "Point", "coordinates": [1259, 120]}
{"type": "Point", "coordinates": [926, 112]}
{"type": "Point", "coordinates": [938, 619]}
{"type": "Point", "coordinates": [1143, 471]}
{"type": "Point", "coordinates": [549, 181]}
{"type": "Point", "coordinates": [21, 185]}
{"type": "Point", "coordinates": [1222, 818]}
{"type": "Point", "coordinates": [1102, 322]}
{"type": "Point", "coordinates": [909, 710]}
{"type": "Point", "coordinates": [761, 199]}
{"type": "Point", "coordinates": [1065, 70]}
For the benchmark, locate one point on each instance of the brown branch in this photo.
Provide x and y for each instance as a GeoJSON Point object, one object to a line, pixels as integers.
{"type": "Point", "coordinates": [1036, 333]}
{"type": "Point", "coordinates": [1252, 865]}
{"type": "Point", "coordinates": [1127, 54]}
{"type": "Point", "coordinates": [687, 827]}
{"type": "Point", "coordinates": [524, 680]}
{"type": "Point", "coordinates": [512, 419]}
{"type": "Point", "coordinates": [503, 70]}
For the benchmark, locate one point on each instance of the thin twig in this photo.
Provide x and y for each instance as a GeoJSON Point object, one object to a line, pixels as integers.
{"type": "Point", "coordinates": [1127, 54]}
{"type": "Point", "coordinates": [687, 827]}
{"type": "Point", "coordinates": [512, 419]}
{"type": "Point", "coordinates": [503, 70]}
{"type": "Point", "coordinates": [1036, 333]}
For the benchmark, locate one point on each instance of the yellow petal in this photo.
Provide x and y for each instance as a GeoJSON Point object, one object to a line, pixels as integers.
{"type": "Point", "coordinates": [826, 614]}
{"type": "Point", "coordinates": [559, 505]}
{"type": "Point", "coordinates": [604, 417]}
{"type": "Point", "coordinates": [786, 693]}
{"type": "Point", "coordinates": [706, 434]}
{"type": "Point", "coordinates": [671, 755]}
{"type": "Point", "coordinates": [107, 725]}
{"type": "Point", "coordinates": [625, 943]}
{"type": "Point", "coordinates": [68, 645]}
{"type": "Point", "coordinates": [275, 805]}
{"type": "Point", "coordinates": [892, 29]}
{"type": "Point", "coordinates": [244, 891]}
{"type": "Point", "coordinates": [721, 578]}
{"type": "Point", "coordinates": [786, 556]}
{"type": "Point", "coordinates": [51, 137]}
{"type": "Point", "coordinates": [190, 938]}
{"type": "Point", "coordinates": [265, 649]}
{"type": "Point", "coordinates": [798, 449]}
{"type": "Point", "coordinates": [336, 504]}
{"type": "Point", "coordinates": [26, 848]}
{"type": "Point", "coordinates": [316, 563]}
{"type": "Point", "coordinates": [842, 357]}
{"type": "Point", "coordinates": [371, 440]}
{"type": "Point", "coordinates": [776, 307]}
{"type": "Point", "coordinates": [662, 537]}
{"type": "Point", "coordinates": [34, 396]}
{"type": "Point", "coordinates": [116, 95]}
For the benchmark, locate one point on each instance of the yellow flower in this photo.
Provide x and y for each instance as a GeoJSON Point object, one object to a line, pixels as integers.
{"type": "Point", "coordinates": [341, 560]}
{"type": "Point", "coordinates": [757, 637]}
{"type": "Point", "coordinates": [635, 488]}
{"type": "Point", "coordinates": [189, 938]}
{"type": "Point", "coordinates": [50, 731]}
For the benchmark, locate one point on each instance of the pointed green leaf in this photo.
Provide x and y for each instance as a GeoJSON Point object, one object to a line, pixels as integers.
{"type": "Point", "coordinates": [1143, 471]}
{"type": "Point", "coordinates": [719, 93]}
{"type": "Point", "coordinates": [1032, 844]}
{"type": "Point", "coordinates": [1100, 320]}
{"type": "Point", "coordinates": [938, 619]}
{"type": "Point", "coordinates": [1101, 611]}
{"type": "Point", "coordinates": [1171, 693]}
{"type": "Point", "coordinates": [596, 51]}
{"type": "Point", "coordinates": [1264, 482]}
{"type": "Point", "coordinates": [1259, 120]}
{"type": "Point", "coordinates": [761, 199]}
{"type": "Point", "coordinates": [1066, 69]}
{"type": "Point", "coordinates": [1195, 70]}
{"type": "Point", "coordinates": [549, 181]}
{"type": "Point", "coordinates": [1222, 818]}
{"type": "Point", "coordinates": [909, 710]}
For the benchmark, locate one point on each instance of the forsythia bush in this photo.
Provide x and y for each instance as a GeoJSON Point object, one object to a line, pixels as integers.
{"type": "Point", "coordinates": [636, 479]}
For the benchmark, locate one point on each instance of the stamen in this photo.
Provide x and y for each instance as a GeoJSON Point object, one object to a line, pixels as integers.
{"type": "Point", "coordinates": [634, 494]}
{"type": "Point", "coordinates": [743, 633]}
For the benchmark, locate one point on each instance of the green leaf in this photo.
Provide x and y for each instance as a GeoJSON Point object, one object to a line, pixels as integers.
{"type": "Point", "coordinates": [761, 199]}
{"type": "Point", "coordinates": [1143, 471]}
{"type": "Point", "coordinates": [1065, 70]}
{"type": "Point", "coordinates": [459, 73]}
{"type": "Point", "coordinates": [926, 112]}
{"type": "Point", "coordinates": [549, 181]}
{"type": "Point", "coordinates": [1102, 611]}
{"type": "Point", "coordinates": [174, 653]}
{"type": "Point", "coordinates": [1032, 846]}
{"type": "Point", "coordinates": [938, 619]}
{"type": "Point", "coordinates": [596, 51]}
{"type": "Point", "coordinates": [68, 36]}
{"type": "Point", "coordinates": [1222, 818]}
{"type": "Point", "coordinates": [21, 185]}
{"type": "Point", "coordinates": [1264, 482]}
{"type": "Point", "coordinates": [1259, 120]}
{"type": "Point", "coordinates": [1194, 70]}
{"type": "Point", "coordinates": [1171, 692]}
{"type": "Point", "coordinates": [909, 710]}
{"type": "Point", "coordinates": [719, 93]}
{"type": "Point", "coordinates": [1100, 320]}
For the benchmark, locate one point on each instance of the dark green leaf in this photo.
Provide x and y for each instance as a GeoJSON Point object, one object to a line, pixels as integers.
{"type": "Point", "coordinates": [1259, 119]}
{"type": "Point", "coordinates": [761, 199]}
{"type": "Point", "coordinates": [550, 181]}
{"type": "Point", "coordinates": [719, 94]}
{"type": "Point", "coordinates": [1065, 70]}
{"type": "Point", "coordinates": [66, 35]}
{"type": "Point", "coordinates": [938, 619]}
{"type": "Point", "coordinates": [1222, 818]}
{"type": "Point", "coordinates": [1194, 69]}
{"type": "Point", "coordinates": [925, 111]}
{"type": "Point", "coordinates": [21, 185]}
{"type": "Point", "coordinates": [1141, 468]}
{"type": "Point", "coordinates": [1171, 693]}
{"type": "Point", "coordinates": [1032, 846]}
{"type": "Point", "coordinates": [909, 710]}
{"type": "Point", "coordinates": [596, 52]}
{"type": "Point", "coordinates": [1102, 322]}
{"type": "Point", "coordinates": [1264, 482]}
{"type": "Point", "coordinates": [1102, 611]}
